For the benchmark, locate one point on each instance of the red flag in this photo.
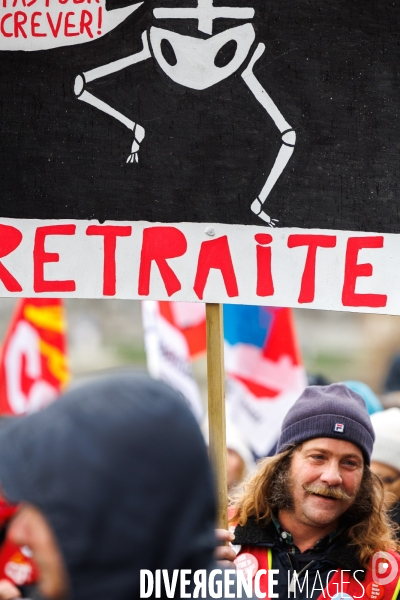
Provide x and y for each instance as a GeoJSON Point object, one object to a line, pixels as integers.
{"type": "Point", "coordinates": [33, 362]}
{"type": "Point", "coordinates": [264, 369]}
{"type": "Point", "coordinates": [16, 563]}
{"type": "Point", "coordinates": [190, 319]}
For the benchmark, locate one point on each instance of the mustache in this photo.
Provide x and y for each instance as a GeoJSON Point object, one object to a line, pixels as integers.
{"type": "Point", "coordinates": [327, 491]}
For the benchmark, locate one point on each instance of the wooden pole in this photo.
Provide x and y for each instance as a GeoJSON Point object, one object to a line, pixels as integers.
{"type": "Point", "coordinates": [216, 406]}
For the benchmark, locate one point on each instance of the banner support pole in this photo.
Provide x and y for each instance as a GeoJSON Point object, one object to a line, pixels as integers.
{"type": "Point", "coordinates": [216, 406]}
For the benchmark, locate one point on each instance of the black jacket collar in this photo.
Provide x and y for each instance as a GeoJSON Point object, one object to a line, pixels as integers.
{"type": "Point", "coordinates": [340, 553]}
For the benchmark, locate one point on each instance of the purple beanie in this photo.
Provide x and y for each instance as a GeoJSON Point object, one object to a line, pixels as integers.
{"type": "Point", "coordinates": [330, 411]}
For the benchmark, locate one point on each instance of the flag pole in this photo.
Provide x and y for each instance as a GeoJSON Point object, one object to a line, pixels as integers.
{"type": "Point", "coordinates": [216, 405]}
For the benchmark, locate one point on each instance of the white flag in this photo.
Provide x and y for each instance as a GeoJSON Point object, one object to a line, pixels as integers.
{"type": "Point", "coordinates": [168, 355]}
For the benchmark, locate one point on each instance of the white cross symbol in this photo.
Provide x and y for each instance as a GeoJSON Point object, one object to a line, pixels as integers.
{"type": "Point", "coordinates": [205, 13]}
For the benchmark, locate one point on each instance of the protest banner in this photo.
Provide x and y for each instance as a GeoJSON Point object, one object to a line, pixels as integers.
{"type": "Point", "coordinates": [207, 128]}
{"type": "Point", "coordinates": [243, 153]}
{"type": "Point", "coordinates": [333, 270]}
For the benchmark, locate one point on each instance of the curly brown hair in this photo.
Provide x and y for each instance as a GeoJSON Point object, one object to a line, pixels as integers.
{"type": "Point", "coordinates": [367, 524]}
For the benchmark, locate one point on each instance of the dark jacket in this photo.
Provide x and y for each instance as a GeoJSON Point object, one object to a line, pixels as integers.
{"type": "Point", "coordinates": [119, 468]}
{"type": "Point", "coordinates": [329, 556]}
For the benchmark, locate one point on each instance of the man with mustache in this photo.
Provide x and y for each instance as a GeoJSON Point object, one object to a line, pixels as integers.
{"type": "Point", "coordinates": [314, 514]}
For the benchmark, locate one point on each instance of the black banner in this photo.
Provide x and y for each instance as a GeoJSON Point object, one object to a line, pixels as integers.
{"type": "Point", "coordinates": [280, 113]}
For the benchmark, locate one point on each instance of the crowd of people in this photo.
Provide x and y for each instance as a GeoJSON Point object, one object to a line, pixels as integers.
{"type": "Point", "coordinates": [114, 479]}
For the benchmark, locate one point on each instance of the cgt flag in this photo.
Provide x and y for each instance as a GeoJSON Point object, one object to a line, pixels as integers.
{"type": "Point", "coordinates": [264, 371]}
{"type": "Point", "coordinates": [33, 362]}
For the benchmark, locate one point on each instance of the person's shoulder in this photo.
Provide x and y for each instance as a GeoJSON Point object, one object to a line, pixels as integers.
{"type": "Point", "coordinates": [253, 533]}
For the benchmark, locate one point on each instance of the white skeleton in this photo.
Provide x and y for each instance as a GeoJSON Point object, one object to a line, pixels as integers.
{"type": "Point", "coordinates": [194, 67]}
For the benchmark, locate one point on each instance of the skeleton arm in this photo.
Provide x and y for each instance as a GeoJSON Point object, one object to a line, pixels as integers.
{"type": "Point", "coordinates": [288, 135]}
{"type": "Point", "coordinates": [82, 94]}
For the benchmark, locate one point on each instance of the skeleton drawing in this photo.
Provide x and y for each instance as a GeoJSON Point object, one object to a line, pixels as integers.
{"type": "Point", "coordinates": [192, 62]}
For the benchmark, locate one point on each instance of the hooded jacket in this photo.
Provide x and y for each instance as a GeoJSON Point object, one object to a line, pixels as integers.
{"type": "Point", "coordinates": [119, 468]}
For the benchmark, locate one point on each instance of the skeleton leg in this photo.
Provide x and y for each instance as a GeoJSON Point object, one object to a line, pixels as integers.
{"type": "Point", "coordinates": [97, 73]}
{"type": "Point", "coordinates": [288, 135]}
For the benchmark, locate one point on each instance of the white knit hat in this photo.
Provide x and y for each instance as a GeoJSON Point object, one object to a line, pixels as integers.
{"type": "Point", "coordinates": [386, 449]}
